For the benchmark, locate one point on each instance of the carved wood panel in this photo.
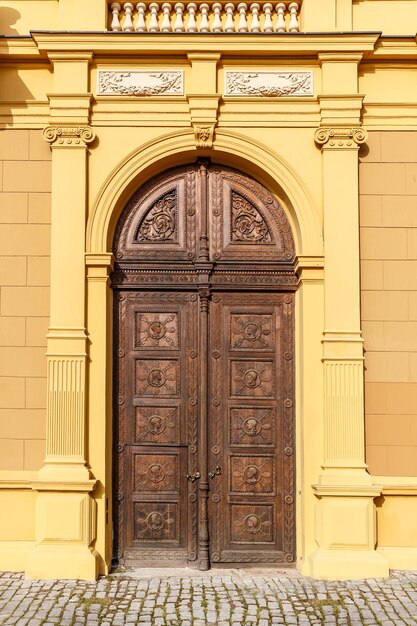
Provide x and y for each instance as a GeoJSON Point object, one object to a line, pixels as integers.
{"type": "Point", "coordinates": [204, 372]}
{"type": "Point", "coordinates": [252, 500]}
{"type": "Point", "coordinates": [156, 425]}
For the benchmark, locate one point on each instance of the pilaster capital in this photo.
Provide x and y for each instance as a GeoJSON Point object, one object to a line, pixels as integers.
{"type": "Point", "coordinates": [340, 138]}
{"type": "Point", "coordinates": [69, 136]}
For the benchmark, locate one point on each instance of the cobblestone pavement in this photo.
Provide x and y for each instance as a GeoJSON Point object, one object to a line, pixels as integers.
{"type": "Point", "coordinates": [222, 597]}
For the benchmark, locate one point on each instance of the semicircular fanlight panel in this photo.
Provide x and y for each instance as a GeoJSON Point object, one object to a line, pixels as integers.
{"type": "Point", "coordinates": [247, 223]}
{"type": "Point", "coordinates": [158, 220]}
{"type": "Point", "coordinates": [160, 223]}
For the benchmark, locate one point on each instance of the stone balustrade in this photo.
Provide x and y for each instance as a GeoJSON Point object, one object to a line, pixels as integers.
{"type": "Point", "coordinates": [204, 17]}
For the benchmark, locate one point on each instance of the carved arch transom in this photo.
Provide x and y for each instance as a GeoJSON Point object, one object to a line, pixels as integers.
{"type": "Point", "coordinates": [245, 221]}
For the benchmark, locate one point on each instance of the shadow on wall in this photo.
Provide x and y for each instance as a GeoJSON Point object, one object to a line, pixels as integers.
{"type": "Point", "coordinates": [8, 18]}
{"type": "Point", "coordinates": [12, 87]}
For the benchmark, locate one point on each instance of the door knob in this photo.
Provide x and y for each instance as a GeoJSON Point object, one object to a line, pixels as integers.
{"type": "Point", "coordinates": [216, 472]}
{"type": "Point", "coordinates": [193, 477]}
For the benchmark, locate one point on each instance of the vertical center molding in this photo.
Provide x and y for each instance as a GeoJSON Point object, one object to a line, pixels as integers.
{"type": "Point", "coordinates": [202, 165]}
{"type": "Point", "coordinates": [203, 486]}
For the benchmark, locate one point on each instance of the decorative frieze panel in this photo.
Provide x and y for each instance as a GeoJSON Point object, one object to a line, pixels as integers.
{"type": "Point", "coordinates": [268, 84]}
{"type": "Point", "coordinates": [140, 83]}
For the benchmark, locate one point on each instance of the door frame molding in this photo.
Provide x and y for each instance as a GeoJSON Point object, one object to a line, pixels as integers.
{"type": "Point", "coordinates": [270, 170]}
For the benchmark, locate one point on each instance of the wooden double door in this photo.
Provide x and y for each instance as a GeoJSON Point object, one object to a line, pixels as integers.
{"type": "Point", "coordinates": [204, 455]}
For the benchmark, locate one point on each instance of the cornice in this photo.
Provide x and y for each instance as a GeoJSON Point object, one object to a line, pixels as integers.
{"type": "Point", "coordinates": [328, 46]}
{"type": "Point", "coordinates": [140, 44]}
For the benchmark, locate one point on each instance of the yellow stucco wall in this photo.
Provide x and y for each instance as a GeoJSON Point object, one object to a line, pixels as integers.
{"type": "Point", "coordinates": [64, 203]}
{"type": "Point", "coordinates": [24, 305]}
{"type": "Point", "coordinates": [389, 289]}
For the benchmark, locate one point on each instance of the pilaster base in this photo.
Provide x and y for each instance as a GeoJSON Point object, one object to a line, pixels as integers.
{"type": "Point", "coordinates": [65, 532]}
{"type": "Point", "coordinates": [62, 561]}
{"type": "Point", "coordinates": [347, 564]}
{"type": "Point", "coordinates": [346, 533]}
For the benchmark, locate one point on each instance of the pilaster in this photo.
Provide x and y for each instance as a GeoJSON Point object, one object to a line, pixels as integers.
{"type": "Point", "coordinates": [65, 517]}
{"type": "Point", "coordinates": [345, 515]}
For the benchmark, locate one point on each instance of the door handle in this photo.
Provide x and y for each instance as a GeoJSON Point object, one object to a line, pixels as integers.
{"type": "Point", "coordinates": [217, 471]}
{"type": "Point", "coordinates": [193, 477]}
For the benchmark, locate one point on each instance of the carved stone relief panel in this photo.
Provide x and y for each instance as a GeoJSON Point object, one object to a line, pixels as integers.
{"type": "Point", "coordinates": [157, 425]}
{"type": "Point", "coordinates": [157, 378]}
{"type": "Point", "coordinates": [156, 473]}
{"type": "Point", "coordinates": [155, 521]}
{"type": "Point", "coordinates": [252, 379]}
{"type": "Point", "coordinates": [157, 330]}
{"type": "Point", "coordinates": [268, 84]}
{"type": "Point", "coordinates": [140, 83]}
{"type": "Point", "coordinates": [252, 524]}
{"type": "Point", "coordinates": [252, 474]}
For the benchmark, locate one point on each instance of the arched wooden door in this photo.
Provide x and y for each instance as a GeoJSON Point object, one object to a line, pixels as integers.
{"type": "Point", "coordinates": [204, 375]}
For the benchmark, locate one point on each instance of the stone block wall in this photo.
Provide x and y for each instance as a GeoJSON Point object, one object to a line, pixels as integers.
{"type": "Point", "coordinates": [25, 178]}
{"type": "Point", "coordinates": [388, 219]}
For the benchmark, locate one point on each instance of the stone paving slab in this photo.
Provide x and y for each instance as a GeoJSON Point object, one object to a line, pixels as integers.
{"type": "Point", "coordinates": [220, 598]}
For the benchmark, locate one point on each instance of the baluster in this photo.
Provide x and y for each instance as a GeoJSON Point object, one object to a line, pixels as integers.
{"type": "Point", "coordinates": [268, 25]}
{"type": "Point", "coordinates": [243, 24]}
{"type": "Point", "coordinates": [204, 24]}
{"type": "Point", "coordinates": [153, 22]}
{"type": "Point", "coordinates": [115, 8]}
{"type": "Point", "coordinates": [192, 25]}
{"type": "Point", "coordinates": [166, 18]}
{"type": "Point", "coordinates": [255, 26]}
{"type": "Point", "coordinates": [141, 24]}
{"type": "Point", "coordinates": [280, 28]}
{"type": "Point", "coordinates": [128, 25]}
{"type": "Point", "coordinates": [179, 21]}
{"type": "Point", "coordinates": [294, 25]}
{"type": "Point", "coordinates": [230, 23]}
{"type": "Point", "coordinates": [217, 20]}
